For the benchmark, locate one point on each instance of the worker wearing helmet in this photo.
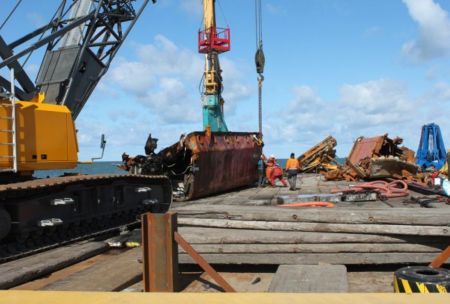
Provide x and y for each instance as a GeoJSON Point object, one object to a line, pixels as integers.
{"type": "Point", "coordinates": [292, 168]}
{"type": "Point", "coordinates": [270, 163]}
{"type": "Point", "coordinates": [274, 172]}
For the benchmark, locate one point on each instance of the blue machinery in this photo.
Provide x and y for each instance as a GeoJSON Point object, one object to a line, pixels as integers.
{"type": "Point", "coordinates": [431, 151]}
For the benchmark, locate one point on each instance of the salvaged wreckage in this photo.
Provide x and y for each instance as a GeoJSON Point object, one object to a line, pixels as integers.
{"type": "Point", "coordinates": [202, 163]}
{"type": "Point", "coordinates": [376, 157]}
{"type": "Point", "coordinates": [320, 158]}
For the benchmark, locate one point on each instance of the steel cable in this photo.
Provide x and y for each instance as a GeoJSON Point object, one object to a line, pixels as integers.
{"type": "Point", "coordinates": [10, 14]}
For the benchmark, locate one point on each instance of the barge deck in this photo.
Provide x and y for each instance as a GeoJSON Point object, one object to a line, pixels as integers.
{"type": "Point", "coordinates": [245, 235]}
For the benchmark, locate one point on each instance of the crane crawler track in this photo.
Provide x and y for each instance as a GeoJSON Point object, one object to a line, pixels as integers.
{"type": "Point", "coordinates": [45, 213]}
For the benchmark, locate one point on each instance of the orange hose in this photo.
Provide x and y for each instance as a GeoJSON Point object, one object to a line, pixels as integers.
{"type": "Point", "coordinates": [396, 188]}
{"type": "Point", "coordinates": [308, 204]}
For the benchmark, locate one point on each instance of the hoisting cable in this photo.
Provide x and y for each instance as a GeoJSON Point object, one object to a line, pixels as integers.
{"type": "Point", "coordinates": [10, 14]}
{"type": "Point", "coordinates": [259, 60]}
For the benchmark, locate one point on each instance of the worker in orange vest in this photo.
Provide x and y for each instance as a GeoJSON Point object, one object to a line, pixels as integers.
{"type": "Point", "coordinates": [292, 168]}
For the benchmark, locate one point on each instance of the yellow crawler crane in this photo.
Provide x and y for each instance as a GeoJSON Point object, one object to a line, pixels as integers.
{"type": "Point", "coordinates": [37, 131]}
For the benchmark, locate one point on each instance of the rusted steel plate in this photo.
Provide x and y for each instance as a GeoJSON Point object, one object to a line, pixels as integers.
{"type": "Point", "coordinates": [390, 167]}
{"type": "Point", "coordinates": [214, 162]}
{"type": "Point", "coordinates": [160, 252]}
{"type": "Point", "coordinates": [366, 147]}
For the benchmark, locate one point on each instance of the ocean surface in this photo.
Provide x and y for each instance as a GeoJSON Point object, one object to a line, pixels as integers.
{"type": "Point", "coordinates": [111, 167]}
{"type": "Point", "coordinates": [94, 168]}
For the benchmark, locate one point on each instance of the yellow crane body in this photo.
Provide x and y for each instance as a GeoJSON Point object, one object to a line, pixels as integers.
{"type": "Point", "coordinates": [46, 136]}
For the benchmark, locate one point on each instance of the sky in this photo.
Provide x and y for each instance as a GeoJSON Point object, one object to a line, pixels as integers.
{"type": "Point", "coordinates": [345, 68]}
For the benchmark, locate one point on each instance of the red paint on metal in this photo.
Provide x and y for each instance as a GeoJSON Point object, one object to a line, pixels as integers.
{"type": "Point", "coordinates": [366, 147]}
{"type": "Point", "coordinates": [213, 162]}
{"type": "Point", "coordinates": [223, 161]}
{"type": "Point", "coordinates": [214, 39]}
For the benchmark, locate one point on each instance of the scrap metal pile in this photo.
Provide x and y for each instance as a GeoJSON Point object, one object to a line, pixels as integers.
{"type": "Point", "coordinates": [374, 158]}
{"type": "Point", "coordinates": [370, 158]}
{"type": "Point", "coordinates": [320, 158]}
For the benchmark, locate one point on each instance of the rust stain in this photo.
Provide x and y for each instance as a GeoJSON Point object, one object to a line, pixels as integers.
{"type": "Point", "coordinates": [366, 147]}
{"type": "Point", "coordinates": [214, 162]}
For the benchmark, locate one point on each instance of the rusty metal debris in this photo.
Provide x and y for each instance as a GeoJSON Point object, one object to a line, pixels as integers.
{"type": "Point", "coordinates": [376, 157]}
{"type": "Point", "coordinates": [203, 163]}
{"type": "Point", "coordinates": [379, 146]}
{"type": "Point", "coordinates": [320, 158]}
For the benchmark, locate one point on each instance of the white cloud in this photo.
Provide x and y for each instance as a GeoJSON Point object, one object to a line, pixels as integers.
{"type": "Point", "coordinates": [132, 76]}
{"type": "Point", "coordinates": [369, 108]}
{"type": "Point", "coordinates": [236, 88]}
{"type": "Point", "coordinates": [378, 99]}
{"type": "Point", "coordinates": [434, 31]}
{"type": "Point", "coordinates": [172, 102]}
{"type": "Point", "coordinates": [305, 118]}
{"type": "Point", "coordinates": [193, 7]}
{"type": "Point", "coordinates": [441, 92]}
{"type": "Point", "coordinates": [165, 78]}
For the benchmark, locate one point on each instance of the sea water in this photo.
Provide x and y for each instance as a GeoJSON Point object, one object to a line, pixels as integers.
{"type": "Point", "coordinates": [100, 167]}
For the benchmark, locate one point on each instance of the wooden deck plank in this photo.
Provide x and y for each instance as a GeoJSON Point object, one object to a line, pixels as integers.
{"type": "Point", "coordinates": [318, 227]}
{"type": "Point", "coordinates": [111, 275]}
{"type": "Point", "coordinates": [314, 258]}
{"type": "Point", "coordinates": [310, 278]}
{"type": "Point", "coordinates": [403, 216]}
{"type": "Point", "coordinates": [62, 273]}
{"type": "Point", "coordinates": [207, 235]}
{"type": "Point", "coordinates": [23, 270]}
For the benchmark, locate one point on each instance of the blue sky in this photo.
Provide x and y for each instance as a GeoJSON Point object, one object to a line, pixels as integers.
{"type": "Point", "coordinates": [346, 68]}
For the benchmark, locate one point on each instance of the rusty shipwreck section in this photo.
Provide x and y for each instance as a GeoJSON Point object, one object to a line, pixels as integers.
{"type": "Point", "coordinates": [376, 157]}
{"type": "Point", "coordinates": [379, 146]}
{"type": "Point", "coordinates": [212, 162]}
